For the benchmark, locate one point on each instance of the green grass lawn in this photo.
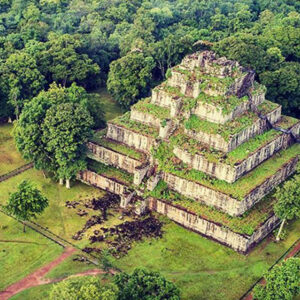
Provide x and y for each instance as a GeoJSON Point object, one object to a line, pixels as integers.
{"type": "Point", "coordinates": [10, 158]}
{"type": "Point", "coordinates": [22, 253]}
{"type": "Point", "coordinates": [57, 217]}
{"type": "Point", "coordinates": [111, 108]}
{"type": "Point", "coordinates": [204, 269]}
{"type": "Point", "coordinates": [69, 267]}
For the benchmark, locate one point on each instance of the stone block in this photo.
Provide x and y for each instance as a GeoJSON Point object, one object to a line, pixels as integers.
{"type": "Point", "coordinates": [224, 202]}
{"type": "Point", "coordinates": [217, 142]}
{"type": "Point", "coordinates": [113, 158]}
{"type": "Point", "coordinates": [129, 137]}
{"type": "Point", "coordinates": [237, 241]}
{"type": "Point", "coordinates": [144, 118]}
{"type": "Point", "coordinates": [140, 173]}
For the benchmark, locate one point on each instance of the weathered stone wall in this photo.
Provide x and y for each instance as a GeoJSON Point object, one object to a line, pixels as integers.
{"type": "Point", "coordinates": [263, 231]}
{"type": "Point", "coordinates": [187, 87]}
{"type": "Point", "coordinates": [102, 182]}
{"type": "Point", "coordinates": [161, 98]}
{"type": "Point", "coordinates": [217, 141]}
{"type": "Point", "coordinates": [222, 201]}
{"type": "Point", "coordinates": [129, 137]}
{"type": "Point", "coordinates": [210, 229]}
{"type": "Point", "coordinates": [214, 114]}
{"type": "Point", "coordinates": [269, 184]}
{"type": "Point", "coordinates": [257, 99]}
{"type": "Point", "coordinates": [110, 157]}
{"type": "Point", "coordinates": [144, 118]}
{"type": "Point", "coordinates": [232, 173]}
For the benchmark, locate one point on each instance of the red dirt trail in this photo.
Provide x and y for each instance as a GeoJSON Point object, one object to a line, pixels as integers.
{"type": "Point", "coordinates": [292, 253]}
{"type": "Point", "coordinates": [35, 278]}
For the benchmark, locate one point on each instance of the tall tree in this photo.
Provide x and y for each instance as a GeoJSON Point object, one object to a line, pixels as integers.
{"type": "Point", "coordinates": [66, 63]}
{"type": "Point", "coordinates": [129, 77]}
{"type": "Point", "coordinates": [145, 285]}
{"type": "Point", "coordinates": [21, 78]}
{"type": "Point", "coordinates": [282, 282]}
{"type": "Point", "coordinates": [29, 130]}
{"type": "Point", "coordinates": [287, 206]}
{"type": "Point", "coordinates": [26, 203]}
{"type": "Point", "coordinates": [66, 130]}
{"type": "Point", "coordinates": [84, 288]}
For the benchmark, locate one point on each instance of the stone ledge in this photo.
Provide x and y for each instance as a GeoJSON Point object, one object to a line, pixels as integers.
{"type": "Point", "coordinates": [214, 114]}
{"type": "Point", "coordinates": [113, 158]}
{"type": "Point", "coordinates": [217, 232]}
{"type": "Point", "coordinates": [231, 173]}
{"type": "Point", "coordinates": [129, 137]}
{"type": "Point", "coordinates": [144, 118]}
{"type": "Point", "coordinates": [102, 182]}
{"type": "Point", "coordinates": [217, 142]}
{"type": "Point", "coordinates": [224, 202]}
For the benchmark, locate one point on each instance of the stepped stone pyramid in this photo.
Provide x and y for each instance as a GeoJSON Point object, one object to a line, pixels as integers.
{"type": "Point", "coordinates": [206, 150]}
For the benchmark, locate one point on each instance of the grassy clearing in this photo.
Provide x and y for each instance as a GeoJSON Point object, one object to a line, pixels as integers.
{"type": "Point", "coordinates": [10, 158]}
{"type": "Point", "coordinates": [240, 188]}
{"type": "Point", "coordinates": [99, 138]}
{"type": "Point", "coordinates": [110, 106]}
{"type": "Point", "coordinates": [245, 224]}
{"type": "Point", "coordinates": [110, 171]}
{"type": "Point", "coordinates": [141, 128]}
{"type": "Point", "coordinates": [69, 267]}
{"type": "Point", "coordinates": [22, 253]}
{"type": "Point", "coordinates": [57, 217]}
{"type": "Point", "coordinates": [202, 268]}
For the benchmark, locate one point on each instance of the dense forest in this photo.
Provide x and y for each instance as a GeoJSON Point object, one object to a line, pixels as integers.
{"type": "Point", "coordinates": [129, 45]}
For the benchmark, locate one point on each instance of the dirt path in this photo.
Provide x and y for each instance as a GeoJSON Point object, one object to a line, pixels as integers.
{"type": "Point", "coordinates": [292, 253]}
{"type": "Point", "coordinates": [35, 278]}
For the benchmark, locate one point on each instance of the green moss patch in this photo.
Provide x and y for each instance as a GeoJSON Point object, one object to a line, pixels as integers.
{"type": "Point", "coordinates": [258, 89]}
{"type": "Point", "coordinates": [147, 107]}
{"type": "Point", "coordinates": [226, 130]}
{"type": "Point", "coordinates": [224, 103]}
{"type": "Point", "coordinates": [100, 139]}
{"type": "Point", "coordinates": [124, 121]}
{"type": "Point", "coordinates": [110, 172]}
{"type": "Point", "coordinates": [240, 188]}
{"type": "Point", "coordinates": [266, 107]}
{"type": "Point", "coordinates": [245, 224]}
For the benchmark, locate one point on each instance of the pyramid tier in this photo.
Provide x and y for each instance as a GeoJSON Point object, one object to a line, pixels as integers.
{"type": "Point", "coordinates": [239, 233]}
{"type": "Point", "coordinates": [233, 165]}
{"type": "Point", "coordinates": [114, 153]}
{"type": "Point", "coordinates": [232, 198]}
{"type": "Point", "coordinates": [148, 113]}
{"type": "Point", "coordinates": [134, 134]}
{"type": "Point", "coordinates": [216, 109]}
{"type": "Point", "coordinates": [226, 137]}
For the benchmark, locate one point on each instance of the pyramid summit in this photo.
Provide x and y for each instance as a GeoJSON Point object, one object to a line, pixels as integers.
{"type": "Point", "coordinates": [206, 150]}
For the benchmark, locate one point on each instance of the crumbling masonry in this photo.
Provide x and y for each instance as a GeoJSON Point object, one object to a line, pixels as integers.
{"type": "Point", "coordinates": [206, 150]}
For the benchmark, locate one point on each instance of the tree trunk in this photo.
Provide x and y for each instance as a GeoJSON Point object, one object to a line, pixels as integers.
{"type": "Point", "coordinates": [61, 181]}
{"type": "Point", "coordinates": [280, 229]}
{"type": "Point", "coordinates": [24, 226]}
{"type": "Point", "coordinates": [68, 184]}
{"type": "Point", "coordinates": [44, 174]}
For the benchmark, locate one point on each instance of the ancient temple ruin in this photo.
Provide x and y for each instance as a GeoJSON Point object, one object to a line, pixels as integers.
{"type": "Point", "coordinates": [206, 150]}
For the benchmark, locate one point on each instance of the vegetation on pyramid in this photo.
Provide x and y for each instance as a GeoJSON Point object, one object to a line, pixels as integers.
{"type": "Point", "coordinates": [206, 150]}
